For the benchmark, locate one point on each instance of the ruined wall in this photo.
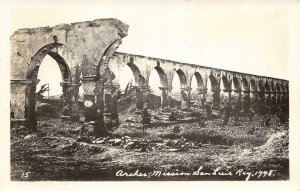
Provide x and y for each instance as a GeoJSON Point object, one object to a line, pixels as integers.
{"type": "Point", "coordinates": [77, 47]}
{"type": "Point", "coordinates": [237, 86]}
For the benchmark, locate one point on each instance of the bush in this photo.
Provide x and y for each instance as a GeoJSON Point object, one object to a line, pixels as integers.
{"type": "Point", "coordinates": [46, 110]}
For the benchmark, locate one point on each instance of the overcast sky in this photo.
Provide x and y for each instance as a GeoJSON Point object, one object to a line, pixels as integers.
{"type": "Point", "coordinates": [241, 37]}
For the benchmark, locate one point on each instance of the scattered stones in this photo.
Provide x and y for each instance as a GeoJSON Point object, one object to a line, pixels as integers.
{"type": "Point", "coordinates": [30, 136]}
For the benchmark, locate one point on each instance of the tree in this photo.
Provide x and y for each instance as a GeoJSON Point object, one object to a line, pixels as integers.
{"type": "Point", "coordinates": [39, 94]}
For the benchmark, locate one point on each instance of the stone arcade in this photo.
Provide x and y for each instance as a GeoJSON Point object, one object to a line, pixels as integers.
{"type": "Point", "coordinates": [86, 55]}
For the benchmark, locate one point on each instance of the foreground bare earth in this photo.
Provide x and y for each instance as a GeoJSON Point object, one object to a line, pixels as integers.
{"type": "Point", "coordinates": [247, 151]}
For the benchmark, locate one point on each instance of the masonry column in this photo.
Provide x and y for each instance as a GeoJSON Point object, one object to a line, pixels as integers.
{"type": "Point", "coordinates": [140, 96]}
{"type": "Point", "coordinates": [228, 92]}
{"type": "Point", "coordinates": [238, 93]}
{"type": "Point", "coordinates": [30, 113]}
{"type": "Point", "coordinates": [201, 96]}
{"type": "Point", "coordinates": [216, 97]}
{"type": "Point", "coordinates": [164, 97]}
{"type": "Point", "coordinates": [93, 96]}
{"type": "Point", "coordinates": [273, 97]}
{"type": "Point", "coordinates": [246, 102]}
{"type": "Point", "coordinates": [277, 97]}
{"type": "Point", "coordinates": [268, 98]}
{"type": "Point", "coordinates": [185, 97]}
{"type": "Point", "coordinates": [70, 100]}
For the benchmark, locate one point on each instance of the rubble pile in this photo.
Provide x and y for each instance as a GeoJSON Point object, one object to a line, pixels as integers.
{"type": "Point", "coordinates": [143, 145]}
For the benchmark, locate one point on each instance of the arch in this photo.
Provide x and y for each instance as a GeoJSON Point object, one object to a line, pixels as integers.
{"type": "Point", "coordinates": [225, 92]}
{"type": "Point", "coordinates": [253, 85]}
{"type": "Point", "coordinates": [235, 83]}
{"type": "Point", "coordinates": [282, 89]}
{"type": "Point", "coordinates": [245, 85]}
{"type": "Point", "coordinates": [199, 80]}
{"type": "Point", "coordinates": [38, 57]}
{"type": "Point", "coordinates": [260, 86]}
{"type": "Point", "coordinates": [213, 81]}
{"type": "Point", "coordinates": [272, 88]}
{"type": "Point", "coordinates": [225, 82]}
{"type": "Point", "coordinates": [267, 87]}
{"type": "Point", "coordinates": [277, 87]}
{"type": "Point", "coordinates": [139, 79]}
{"type": "Point", "coordinates": [32, 75]}
{"type": "Point", "coordinates": [182, 78]}
{"type": "Point", "coordinates": [162, 76]}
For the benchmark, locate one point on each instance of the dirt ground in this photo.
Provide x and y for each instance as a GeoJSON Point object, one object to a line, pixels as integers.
{"type": "Point", "coordinates": [246, 151]}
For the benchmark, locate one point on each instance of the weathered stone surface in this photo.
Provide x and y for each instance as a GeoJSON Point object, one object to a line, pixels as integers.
{"type": "Point", "coordinates": [88, 48]}
{"type": "Point", "coordinates": [236, 84]}
{"type": "Point", "coordinates": [82, 48]}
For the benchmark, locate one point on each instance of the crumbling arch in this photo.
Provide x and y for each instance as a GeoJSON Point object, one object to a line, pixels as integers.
{"type": "Point", "coordinates": [261, 90]}
{"type": "Point", "coordinates": [199, 80]}
{"type": "Point", "coordinates": [267, 92]}
{"type": "Point", "coordinates": [197, 88]}
{"type": "Point", "coordinates": [138, 78]}
{"type": "Point", "coordinates": [244, 85]}
{"type": "Point", "coordinates": [253, 85]}
{"type": "Point", "coordinates": [179, 83]}
{"type": "Point", "coordinates": [213, 82]}
{"type": "Point", "coordinates": [32, 75]}
{"type": "Point", "coordinates": [213, 94]}
{"type": "Point", "coordinates": [235, 84]}
{"type": "Point", "coordinates": [224, 90]}
{"type": "Point", "coordinates": [162, 76]}
{"type": "Point", "coordinates": [38, 57]}
{"type": "Point", "coordinates": [278, 92]}
{"type": "Point", "coordinates": [246, 100]}
{"type": "Point", "coordinates": [182, 78]}
{"type": "Point", "coordinates": [267, 87]}
{"type": "Point", "coordinates": [225, 82]}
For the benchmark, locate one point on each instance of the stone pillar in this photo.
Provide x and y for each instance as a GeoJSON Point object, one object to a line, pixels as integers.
{"type": "Point", "coordinates": [286, 98]}
{"type": "Point", "coordinates": [267, 98]}
{"type": "Point", "coordinates": [164, 97]}
{"type": "Point", "coordinates": [70, 100]}
{"type": "Point", "coordinates": [201, 96]}
{"type": "Point", "coordinates": [277, 97]}
{"type": "Point", "coordinates": [185, 97]}
{"type": "Point", "coordinates": [228, 92]}
{"type": "Point", "coordinates": [246, 101]}
{"type": "Point", "coordinates": [261, 96]}
{"type": "Point", "coordinates": [18, 97]}
{"type": "Point", "coordinates": [115, 97]}
{"type": "Point", "coordinates": [237, 95]}
{"type": "Point", "coordinates": [216, 97]}
{"type": "Point", "coordinates": [140, 96]}
{"type": "Point", "coordinates": [93, 96]}
{"type": "Point", "coordinates": [273, 97]}
{"type": "Point", "coordinates": [30, 113]}
{"type": "Point", "coordinates": [107, 98]}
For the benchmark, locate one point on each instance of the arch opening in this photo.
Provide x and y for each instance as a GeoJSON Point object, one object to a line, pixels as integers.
{"type": "Point", "coordinates": [225, 92]}
{"type": "Point", "coordinates": [213, 94]}
{"type": "Point", "coordinates": [126, 79]}
{"type": "Point", "coordinates": [49, 55]}
{"type": "Point", "coordinates": [197, 89]}
{"type": "Point", "coordinates": [157, 93]}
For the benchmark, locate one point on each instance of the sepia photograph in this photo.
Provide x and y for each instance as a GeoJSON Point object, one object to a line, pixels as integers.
{"type": "Point", "coordinates": [191, 91]}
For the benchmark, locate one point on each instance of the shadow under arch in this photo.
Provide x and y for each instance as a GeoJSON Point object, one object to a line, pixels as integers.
{"type": "Point", "coordinates": [138, 78]}
{"type": "Point", "coordinates": [199, 80]}
{"type": "Point", "coordinates": [261, 90]}
{"type": "Point", "coordinates": [197, 89]}
{"type": "Point", "coordinates": [182, 78]}
{"type": "Point", "coordinates": [162, 76]}
{"type": "Point", "coordinates": [224, 90]}
{"type": "Point", "coordinates": [213, 93]}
